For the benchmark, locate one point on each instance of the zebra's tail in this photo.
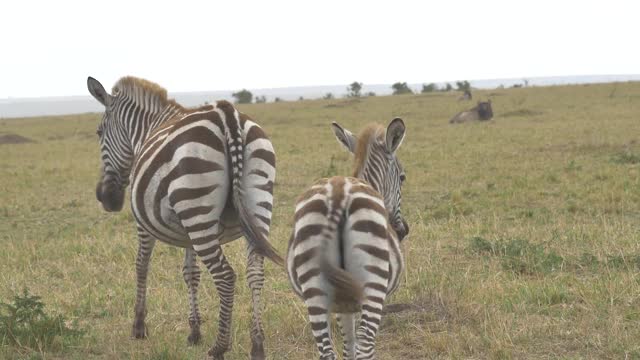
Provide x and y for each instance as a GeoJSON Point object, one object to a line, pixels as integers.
{"type": "Point", "coordinates": [254, 235]}
{"type": "Point", "coordinates": [348, 292]}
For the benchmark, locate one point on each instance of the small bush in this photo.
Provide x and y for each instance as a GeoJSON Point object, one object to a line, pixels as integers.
{"type": "Point", "coordinates": [626, 158]}
{"type": "Point", "coordinates": [518, 255]}
{"type": "Point", "coordinates": [480, 245]}
{"type": "Point", "coordinates": [24, 323]}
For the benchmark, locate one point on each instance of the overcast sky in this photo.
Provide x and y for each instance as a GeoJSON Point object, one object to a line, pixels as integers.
{"type": "Point", "coordinates": [48, 48]}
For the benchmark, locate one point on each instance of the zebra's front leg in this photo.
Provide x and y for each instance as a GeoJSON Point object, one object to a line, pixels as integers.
{"type": "Point", "coordinates": [255, 281]}
{"type": "Point", "coordinates": [224, 279]}
{"type": "Point", "coordinates": [191, 275]}
{"type": "Point", "coordinates": [145, 248]}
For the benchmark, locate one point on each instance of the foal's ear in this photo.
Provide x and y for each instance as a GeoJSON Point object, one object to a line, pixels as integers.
{"type": "Point", "coordinates": [345, 137]}
{"type": "Point", "coordinates": [97, 91]}
{"type": "Point", "coordinates": [395, 134]}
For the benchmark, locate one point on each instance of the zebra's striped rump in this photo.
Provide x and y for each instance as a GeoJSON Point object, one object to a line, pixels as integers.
{"type": "Point", "coordinates": [344, 254]}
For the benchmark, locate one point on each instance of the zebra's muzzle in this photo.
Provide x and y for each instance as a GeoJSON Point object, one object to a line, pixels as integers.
{"type": "Point", "coordinates": [402, 229]}
{"type": "Point", "coordinates": [110, 195]}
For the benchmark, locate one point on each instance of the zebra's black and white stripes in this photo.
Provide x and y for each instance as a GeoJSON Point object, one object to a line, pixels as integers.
{"type": "Point", "coordinates": [344, 254]}
{"type": "Point", "coordinates": [199, 178]}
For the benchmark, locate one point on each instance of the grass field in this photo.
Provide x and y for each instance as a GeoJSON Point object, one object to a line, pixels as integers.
{"type": "Point", "coordinates": [524, 235]}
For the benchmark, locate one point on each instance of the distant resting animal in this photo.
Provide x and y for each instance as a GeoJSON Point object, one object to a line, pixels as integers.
{"type": "Point", "coordinates": [481, 112]}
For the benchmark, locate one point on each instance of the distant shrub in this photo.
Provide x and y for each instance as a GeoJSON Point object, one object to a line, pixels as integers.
{"type": "Point", "coordinates": [354, 89]}
{"type": "Point", "coordinates": [463, 85]}
{"type": "Point", "coordinates": [401, 88]}
{"type": "Point", "coordinates": [243, 96]}
{"type": "Point", "coordinates": [429, 88]}
{"type": "Point", "coordinates": [261, 99]}
{"type": "Point", "coordinates": [370, 93]}
{"type": "Point", "coordinates": [277, 99]}
{"type": "Point", "coordinates": [301, 98]}
{"type": "Point", "coordinates": [447, 87]}
{"type": "Point", "coordinates": [328, 96]}
{"type": "Point", "coordinates": [24, 323]}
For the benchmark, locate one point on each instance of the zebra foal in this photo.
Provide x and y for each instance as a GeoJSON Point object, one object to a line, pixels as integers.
{"type": "Point", "coordinates": [344, 254]}
{"type": "Point", "coordinates": [199, 178]}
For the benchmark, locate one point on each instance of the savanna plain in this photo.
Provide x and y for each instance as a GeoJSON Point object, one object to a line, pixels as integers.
{"type": "Point", "coordinates": [524, 243]}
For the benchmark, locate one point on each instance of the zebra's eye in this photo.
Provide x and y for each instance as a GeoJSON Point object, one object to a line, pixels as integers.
{"type": "Point", "coordinates": [99, 132]}
{"type": "Point", "coordinates": [402, 177]}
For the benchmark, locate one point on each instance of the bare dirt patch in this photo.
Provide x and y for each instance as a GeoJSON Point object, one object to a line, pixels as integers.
{"type": "Point", "coordinates": [8, 139]}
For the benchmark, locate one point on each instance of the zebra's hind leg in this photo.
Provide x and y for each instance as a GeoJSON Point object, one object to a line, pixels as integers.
{"type": "Point", "coordinates": [347, 323]}
{"type": "Point", "coordinates": [191, 275]}
{"type": "Point", "coordinates": [145, 248]}
{"type": "Point", "coordinates": [370, 319]}
{"type": "Point", "coordinates": [224, 279]}
{"type": "Point", "coordinates": [255, 281]}
{"type": "Point", "coordinates": [317, 305]}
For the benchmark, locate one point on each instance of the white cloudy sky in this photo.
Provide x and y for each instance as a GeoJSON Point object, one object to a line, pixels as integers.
{"type": "Point", "coordinates": [48, 48]}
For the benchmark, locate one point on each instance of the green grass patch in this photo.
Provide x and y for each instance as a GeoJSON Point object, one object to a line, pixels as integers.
{"type": "Point", "coordinates": [25, 324]}
{"type": "Point", "coordinates": [626, 158]}
{"type": "Point", "coordinates": [519, 255]}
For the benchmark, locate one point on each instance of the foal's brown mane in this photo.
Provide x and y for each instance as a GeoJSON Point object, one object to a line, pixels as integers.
{"type": "Point", "coordinates": [371, 133]}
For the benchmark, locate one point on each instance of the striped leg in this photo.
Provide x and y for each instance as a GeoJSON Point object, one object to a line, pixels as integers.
{"type": "Point", "coordinates": [224, 279]}
{"type": "Point", "coordinates": [369, 324]}
{"type": "Point", "coordinates": [318, 305]}
{"type": "Point", "coordinates": [347, 322]}
{"type": "Point", "coordinates": [255, 281]}
{"type": "Point", "coordinates": [191, 275]}
{"type": "Point", "coordinates": [145, 248]}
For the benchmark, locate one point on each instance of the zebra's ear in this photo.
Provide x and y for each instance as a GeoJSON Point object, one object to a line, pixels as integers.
{"type": "Point", "coordinates": [345, 137]}
{"type": "Point", "coordinates": [395, 134]}
{"type": "Point", "coordinates": [97, 91]}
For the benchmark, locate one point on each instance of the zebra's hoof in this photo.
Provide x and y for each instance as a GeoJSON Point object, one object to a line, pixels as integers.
{"type": "Point", "coordinates": [216, 353]}
{"type": "Point", "coordinates": [194, 338]}
{"type": "Point", "coordinates": [139, 332]}
{"type": "Point", "coordinates": [257, 351]}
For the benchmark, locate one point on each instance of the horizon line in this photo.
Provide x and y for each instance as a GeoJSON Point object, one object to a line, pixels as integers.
{"type": "Point", "coordinates": [520, 78]}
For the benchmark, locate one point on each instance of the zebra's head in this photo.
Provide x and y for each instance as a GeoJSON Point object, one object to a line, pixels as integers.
{"type": "Point", "coordinates": [115, 150]}
{"type": "Point", "coordinates": [376, 162]}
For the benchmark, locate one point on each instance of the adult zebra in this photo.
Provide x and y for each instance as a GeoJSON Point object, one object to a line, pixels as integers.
{"type": "Point", "coordinates": [344, 254]}
{"type": "Point", "coordinates": [199, 178]}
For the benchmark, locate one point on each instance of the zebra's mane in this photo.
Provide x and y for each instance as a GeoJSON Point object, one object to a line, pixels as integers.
{"type": "Point", "coordinates": [144, 92]}
{"type": "Point", "coordinates": [371, 133]}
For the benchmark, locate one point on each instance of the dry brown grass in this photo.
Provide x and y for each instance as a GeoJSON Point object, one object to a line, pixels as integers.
{"type": "Point", "coordinates": [558, 178]}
